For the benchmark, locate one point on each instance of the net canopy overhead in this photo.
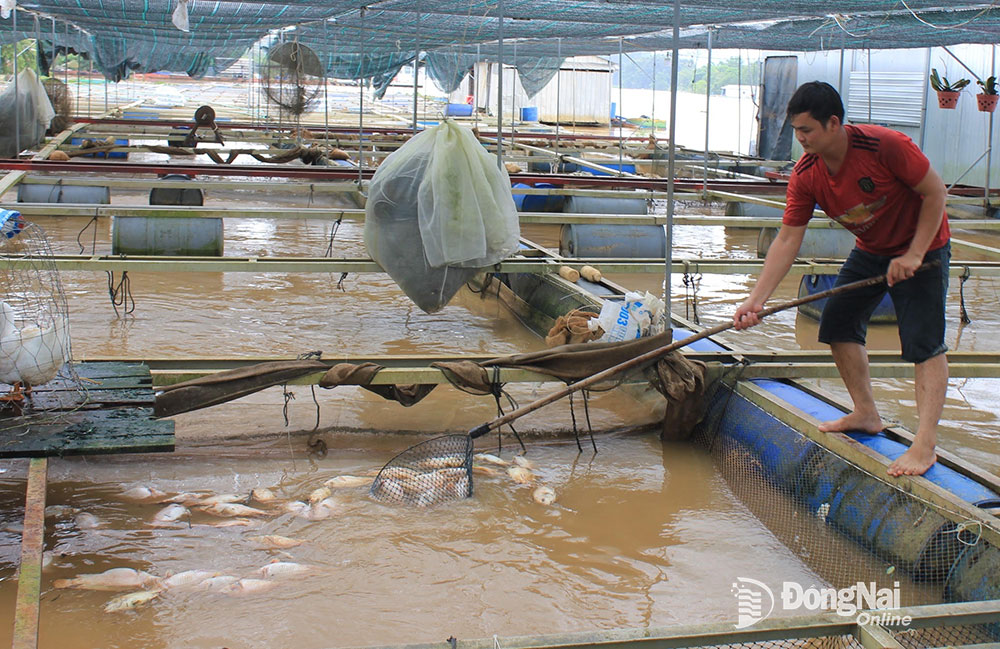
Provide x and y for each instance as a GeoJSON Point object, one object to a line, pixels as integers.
{"type": "Point", "coordinates": [364, 39]}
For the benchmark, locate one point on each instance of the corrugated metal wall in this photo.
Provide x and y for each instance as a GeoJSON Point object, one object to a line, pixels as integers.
{"type": "Point", "coordinates": [902, 99]}
{"type": "Point", "coordinates": [584, 93]}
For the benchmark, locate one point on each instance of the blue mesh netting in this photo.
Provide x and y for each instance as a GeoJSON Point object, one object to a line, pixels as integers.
{"type": "Point", "coordinates": [126, 35]}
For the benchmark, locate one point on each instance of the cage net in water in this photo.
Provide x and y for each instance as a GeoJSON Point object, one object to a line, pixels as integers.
{"type": "Point", "coordinates": [851, 526]}
{"type": "Point", "coordinates": [34, 318]}
{"type": "Point", "coordinates": [436, 471]}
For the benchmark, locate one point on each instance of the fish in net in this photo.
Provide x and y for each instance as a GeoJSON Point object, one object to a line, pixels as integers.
{"type": "Point", "coordinates": [432, 472]}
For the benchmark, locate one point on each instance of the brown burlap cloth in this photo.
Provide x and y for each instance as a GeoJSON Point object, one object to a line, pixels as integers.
{"type": "Point", "coordinates": [683, 382]}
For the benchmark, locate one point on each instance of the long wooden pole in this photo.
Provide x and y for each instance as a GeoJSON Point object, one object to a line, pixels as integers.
{"type": "Point", "coordinates": [660, 352]}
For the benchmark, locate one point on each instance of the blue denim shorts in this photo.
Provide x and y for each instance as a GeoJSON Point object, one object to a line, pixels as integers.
{"type": "Point", "coordinates": [919, 303]}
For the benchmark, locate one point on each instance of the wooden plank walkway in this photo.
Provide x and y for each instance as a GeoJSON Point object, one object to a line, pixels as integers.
{"type": "Point", "coordinates": [110, 411]}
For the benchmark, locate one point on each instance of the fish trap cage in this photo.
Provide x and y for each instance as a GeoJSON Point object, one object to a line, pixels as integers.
{"type": "Point", "coordinates": [850, 524]}
{"type": "Point", "coordinates": [34, 318]}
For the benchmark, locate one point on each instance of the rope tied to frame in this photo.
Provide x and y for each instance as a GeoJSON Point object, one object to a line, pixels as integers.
{"type": "Point", "coordinates": [692, 282]}
{"type": "Point", "coordinates": [497, 390]}
{"type": "Point", "coordinates": [121, 293]}
{"type": "Point", "coordinates": [964, 314]}
{"type": "Point", "coordinates": [586, 412]}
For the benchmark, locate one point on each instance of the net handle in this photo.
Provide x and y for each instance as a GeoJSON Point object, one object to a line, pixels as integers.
{"type": "Point", "coordinates": [655, 354]}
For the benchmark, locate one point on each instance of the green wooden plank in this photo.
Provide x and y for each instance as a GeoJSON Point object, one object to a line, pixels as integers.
{"type": "Point", "coordinates": [90, 433]}
{"type": "Point", "coordinates": [107, 369]}
{"type": "Point", "coordinates": [96, 385]}
{"type": "Point", "coordinates": [56, 400]}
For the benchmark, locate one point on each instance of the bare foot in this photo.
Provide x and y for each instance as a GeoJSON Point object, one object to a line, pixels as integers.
{"type": "Point", "coordinates": [852, 422]}
{"type": "Point", "coordinates": [914, 461]}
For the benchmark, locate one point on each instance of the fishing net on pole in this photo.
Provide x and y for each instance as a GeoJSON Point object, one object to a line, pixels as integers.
{"type": "Point", "coordinates": [436, 471]}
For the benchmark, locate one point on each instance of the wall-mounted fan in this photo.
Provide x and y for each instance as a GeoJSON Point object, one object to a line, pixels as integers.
{"type": "Point", "coordinates": [292, 78]}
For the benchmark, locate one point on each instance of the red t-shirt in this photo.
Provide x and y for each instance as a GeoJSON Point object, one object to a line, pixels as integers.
{"type": "Point", "coordinates": [871, 195]}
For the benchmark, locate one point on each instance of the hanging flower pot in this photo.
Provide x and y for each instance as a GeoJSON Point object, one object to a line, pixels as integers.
{"type": "Point", "coordinates": [987, 103]}
{"type": "Point", "coordinates": [947, 99]}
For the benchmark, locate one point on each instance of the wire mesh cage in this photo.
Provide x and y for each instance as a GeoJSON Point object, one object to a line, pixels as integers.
{"type": "Point", "coordinates": [432, 472]}
{"type": "Point", "coordinates": [62, 103]}
{"type": "Point", "coordinates": [849, 525]}
{"type": "Point", "coordinates": [34, 318]}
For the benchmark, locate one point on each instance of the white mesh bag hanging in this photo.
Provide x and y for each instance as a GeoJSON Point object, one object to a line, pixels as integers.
{"type": "Point", "coordinates": [438, 210]}
{"type": "Point", "coordinates": [466, 211]}
{"type": "Point", "coordinates": [34, 322]}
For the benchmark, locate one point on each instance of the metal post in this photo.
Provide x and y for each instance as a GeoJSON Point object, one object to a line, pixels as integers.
{"type": "Point", "coordinates": [361, 110]}
{"type": "Point", "coordinates": [652, 111]}
{"type": "Point", "coordinates": [869, 85]}
{"type": "Point", "coordinates": [671, 159]}
{"type": "Point", "coordinates": [739, 106]}
{"type": "Point", "coordinates": [558, 97]}
{"type": "Point", "coordinates": [500, 10]}
{"type": "Point", "coordinates": [840, 76]}
{"type": "Point", "coordinates": [475, 87]}
{"type": "Point", "coordinates": [927, 92]}
{"type": "Point", "coordinates": [513, 98]}
{"type": "Point", "coordinates": [17, 92]}
{"type": "Point", "coordinates": [416, 71]}
{"type": "Point", "coordinates": [989, 132]}
{"type": "Point", "coordinates": [326, 87]}
{"type": "Point", "coordinates": [621, 127]}
{"type": "Point", "coordinates": [708, 101]}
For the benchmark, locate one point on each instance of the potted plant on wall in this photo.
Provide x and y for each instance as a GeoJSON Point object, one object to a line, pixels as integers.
{"type": "Point", "coordinates": [947, 91]}
{"type": "Point", "coordinates": [987, 99]}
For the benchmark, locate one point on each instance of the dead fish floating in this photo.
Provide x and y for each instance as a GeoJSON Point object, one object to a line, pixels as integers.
{"type": "Point", "coordinates": [285, 569]}
{"type": "Point", "coordinates": [144, 495]}
{"type": "Point", "coordinates": [277, 541]}
{"type": "Point", "coordinates": [520, 475]}
{"type": "Point", "coordinates": [524, 462]}
{"type": "Point", "coordinates": [113, 579]}
{"type": "Point", "coordinates": [222, 499]}
{"type": "Point", "coordinates": [171, 514]}
{"type": "Point", "coordinates": [226, 509]}
{"type": "Point", "coordinates": [217, 584]}
{"type": "Point", "coordinates": [87, 521]}
{"type": "Point", "coordinates": [346, 481]}
{"type": "Point", "coordinates": [250, 586]}
{"type": "Point", "coordinates": [188, 579]}
{"type": "Point", "coordinates": [131, 600]}
{"type": "Point", "coordinates": [263, 496]}
{"type": "Point", "coordinates": [487, 458]}
{"type": "Point", "coordinates": [544, 495]}
{"type": "Point", "coordinates": [320, 494]}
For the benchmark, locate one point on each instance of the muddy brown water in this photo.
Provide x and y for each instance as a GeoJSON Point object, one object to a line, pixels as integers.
{"type": "Point", "coordinates": [643, 534]}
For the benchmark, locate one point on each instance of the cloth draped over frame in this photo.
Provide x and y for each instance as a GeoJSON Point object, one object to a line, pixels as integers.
{"type": "Point", "coordinates": [683, 382]}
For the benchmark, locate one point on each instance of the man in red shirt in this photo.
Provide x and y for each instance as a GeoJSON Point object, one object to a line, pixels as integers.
{"type": "Point", "coordinates": [880, 186]}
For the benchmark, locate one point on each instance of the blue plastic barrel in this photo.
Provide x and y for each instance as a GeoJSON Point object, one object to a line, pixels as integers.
{"type": "Point", "coordinates": [121, 155]}
{"type": "Point", "coordinates": [538, 202]}
{"type": "Point", "coordinates": [458, 110]}
{"type": "Point", "coordinates": [529, 114]}
{"type": "Point", "coordinates": [885, 312]}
